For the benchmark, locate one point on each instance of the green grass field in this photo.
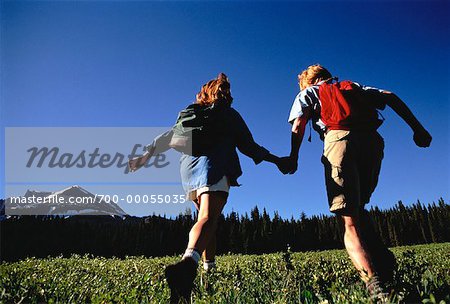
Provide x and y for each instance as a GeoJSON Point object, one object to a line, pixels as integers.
{"type": "Point", "coordinates": [423, 276]}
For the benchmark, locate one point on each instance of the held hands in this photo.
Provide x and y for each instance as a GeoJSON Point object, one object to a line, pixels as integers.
{"type": "Point", "coordinates": [137, 162]}
{"type": "Point", "coordinates": [422, 138]}
{"type": "Point", "coordinates": [287, 165]}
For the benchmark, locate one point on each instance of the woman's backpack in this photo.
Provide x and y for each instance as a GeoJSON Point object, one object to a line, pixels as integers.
{"type": "Point", "coordinates": [198, 129]}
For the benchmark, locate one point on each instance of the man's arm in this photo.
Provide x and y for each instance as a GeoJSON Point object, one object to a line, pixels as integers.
{"type": "Point", "coordinates": [298, 131]}
{"type": "Point", "coordinates": [421, 136]}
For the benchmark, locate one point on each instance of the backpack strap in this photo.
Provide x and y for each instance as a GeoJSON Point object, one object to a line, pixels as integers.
{"type": "Point", "coordinates": [310, 126]}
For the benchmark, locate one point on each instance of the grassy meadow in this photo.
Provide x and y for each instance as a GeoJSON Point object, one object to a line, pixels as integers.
{"type": "Point", "coordinates": [423, 276]}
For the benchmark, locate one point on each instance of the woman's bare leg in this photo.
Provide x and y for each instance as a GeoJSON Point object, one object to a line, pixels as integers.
{"type": "Point", "coordinates": [180, 276]}
{"type": "Point", "coordinates": [209, 254]}
{"type": "Point", "coordinates": [211, 205]}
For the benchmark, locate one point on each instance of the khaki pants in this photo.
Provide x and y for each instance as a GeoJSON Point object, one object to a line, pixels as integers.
{"type": "Point", "coordinates": [352, 162]}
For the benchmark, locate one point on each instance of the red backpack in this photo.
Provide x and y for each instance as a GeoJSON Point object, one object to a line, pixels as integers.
{"type": "Point", "coordinates": [346, 106]}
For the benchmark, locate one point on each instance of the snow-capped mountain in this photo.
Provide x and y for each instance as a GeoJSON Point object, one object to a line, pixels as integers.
{"type": "Point", "coordinates": [73, 200]}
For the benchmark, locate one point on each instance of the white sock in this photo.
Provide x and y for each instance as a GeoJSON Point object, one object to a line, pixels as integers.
{"type": "Point", "coordinates": [208, 265]}
{"type": "Point", "coordinates": [193, 254]}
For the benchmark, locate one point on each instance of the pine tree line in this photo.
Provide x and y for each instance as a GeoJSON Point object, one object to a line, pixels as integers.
{"type": "Point", "coordinates": [257, 232]}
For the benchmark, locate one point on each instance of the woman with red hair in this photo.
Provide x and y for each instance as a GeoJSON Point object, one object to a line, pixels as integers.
{"type": "Point", "coordinates": [207, 177]}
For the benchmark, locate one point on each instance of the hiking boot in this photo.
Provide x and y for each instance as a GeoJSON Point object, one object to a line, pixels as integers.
{"type": "Point", "coordinates": [180, 277]}
{"type": "Point", "coordinates": [377, 291]}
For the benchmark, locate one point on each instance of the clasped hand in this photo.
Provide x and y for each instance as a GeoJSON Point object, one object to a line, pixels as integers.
{"type": "Point", "coordinates": [287, 165]}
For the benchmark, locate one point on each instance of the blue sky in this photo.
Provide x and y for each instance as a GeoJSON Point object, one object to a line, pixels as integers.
{"type": "Point", "coordinates": [136, 64]}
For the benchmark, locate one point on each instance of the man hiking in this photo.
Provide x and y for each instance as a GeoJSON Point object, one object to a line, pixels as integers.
{"type": "Point", "coordinates": [345, 114]}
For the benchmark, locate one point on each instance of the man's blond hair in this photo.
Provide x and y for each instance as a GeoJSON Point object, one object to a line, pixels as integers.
{"type": "Point", "coordinates": [312, 75]}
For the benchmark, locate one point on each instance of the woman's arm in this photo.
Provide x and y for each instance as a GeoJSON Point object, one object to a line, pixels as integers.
{"type": "Point", "coordinates": [159, 145]}
{"type": "Point", "coordinates": [247, 145]}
